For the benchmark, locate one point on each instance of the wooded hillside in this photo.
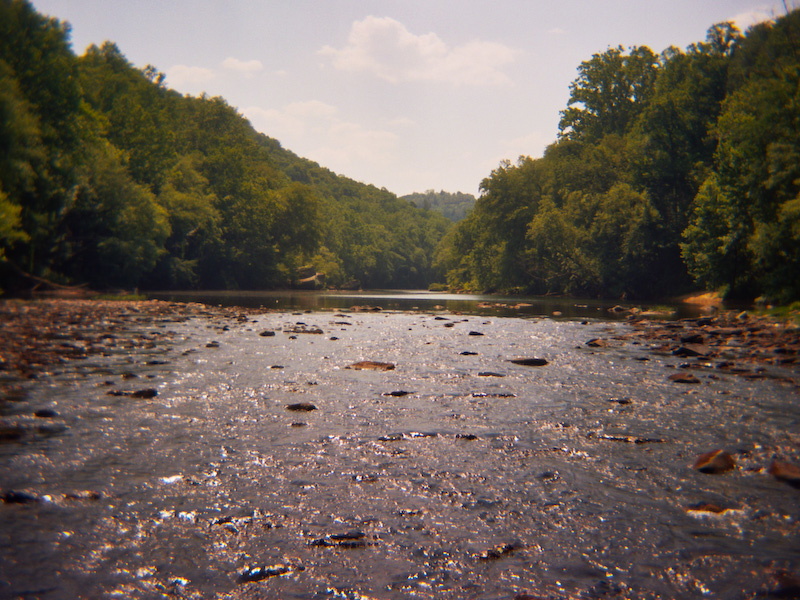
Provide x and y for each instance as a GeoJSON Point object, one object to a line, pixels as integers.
{"type": "Point", "coordinates": [109, 178]}
{"type": "Point", "coordinates": [671, 171]}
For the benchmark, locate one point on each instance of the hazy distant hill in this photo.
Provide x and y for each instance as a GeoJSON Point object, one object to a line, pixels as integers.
{"type": "Point", "coordinates": [453, 206]}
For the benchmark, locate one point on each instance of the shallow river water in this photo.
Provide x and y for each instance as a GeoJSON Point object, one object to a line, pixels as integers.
{"type": "Point", "coordinates": [456, 474]}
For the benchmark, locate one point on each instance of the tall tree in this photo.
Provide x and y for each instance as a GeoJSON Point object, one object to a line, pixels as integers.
{"type": "Point", "coordinates": [609, 92]}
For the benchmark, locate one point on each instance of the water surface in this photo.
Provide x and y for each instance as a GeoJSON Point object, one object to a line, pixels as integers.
{"type": "Point", "coordinates": [457, 474]}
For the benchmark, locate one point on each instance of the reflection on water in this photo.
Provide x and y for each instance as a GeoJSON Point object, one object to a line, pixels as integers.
{"type": "Point", "coordinates": [421, 300]}
{"type": "Point", "coordinates": [455, 474]}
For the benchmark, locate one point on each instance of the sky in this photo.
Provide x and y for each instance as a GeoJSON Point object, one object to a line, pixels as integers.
{"type": "Point", "coordinates": [407, 95]}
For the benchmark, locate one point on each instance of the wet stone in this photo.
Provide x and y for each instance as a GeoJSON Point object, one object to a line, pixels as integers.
{"type": "Point", "coordinates": [529, 362]}
{"type": "Point", "coordinates": [252, 574]}
{"type": "Point", "coordinates": [715, 462]}
{"type": "Point", "coordinates": [301, 407]}
{"type": "Point", "coordinates": [684, 378]}
{"type": "Point", "coordinates": [350, 539]}
{"type": "Point", "coordinates": [46, 413]}
{"type": "Point", "coordinates": [475, 333]}
{"type": "Point", "coordinates": [11, 433]}
{"type": "Point", "coordinates": [371, 365]}
{"type": "Point", "coordinates": [397, 393]}
{"type": "Point", "coordinates": [691, 350]}
{"type": "Point", "coordinates": [490, 374]}
{"type": "Point", "coordinates": [786, 472]}
{"type": "Point", "coordinates": [707, 508]}
{"type": "Point", "coordinates": [17, 497]}
{"type": "Point", "coordinates": [267, 333]}
{"type": "Point", "coordinates": [500, 551]}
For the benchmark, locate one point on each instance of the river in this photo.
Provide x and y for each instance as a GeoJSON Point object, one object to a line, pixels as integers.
{"type": "Point", "coordinates": [260, 464]}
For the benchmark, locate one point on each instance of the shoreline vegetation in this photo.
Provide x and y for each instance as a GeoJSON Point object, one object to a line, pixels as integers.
{"type": "Point", "coordinates": [671, 171]}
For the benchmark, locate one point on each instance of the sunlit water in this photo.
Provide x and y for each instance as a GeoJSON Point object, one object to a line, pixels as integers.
{"type": "Point", "coordinates": [415, 300]}
{"type": "Point", "coordinates": [486, 480]}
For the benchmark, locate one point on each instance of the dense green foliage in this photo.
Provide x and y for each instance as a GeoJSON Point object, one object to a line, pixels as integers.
{"type": "Point", "coordinates": [670, 171]}
{"type": "Point", "coordinates": [453, 206]}
{"type": "Point", "coordinates": [109, 178]}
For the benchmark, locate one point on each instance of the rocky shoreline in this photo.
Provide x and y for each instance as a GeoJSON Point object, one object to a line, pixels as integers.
{"type": "Point", "coordinates": [42, 334]}
{"type": "Point", "coordinates": [736, 343]}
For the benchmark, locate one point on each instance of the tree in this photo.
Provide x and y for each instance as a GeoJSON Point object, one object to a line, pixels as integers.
{"type": "Point", "coordinates": [116, 229]}
{"type": "Point", "coordinates": [610, 90]}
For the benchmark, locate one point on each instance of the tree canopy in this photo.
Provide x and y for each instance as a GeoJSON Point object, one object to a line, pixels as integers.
{"type": "Point", "coordinates": [109, 178]}
{"type": "Point", "coordinates": [670, 171]}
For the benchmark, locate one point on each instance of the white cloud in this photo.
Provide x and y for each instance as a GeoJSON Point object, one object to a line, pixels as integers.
{"type": "Point", "coordinates": [315, 130]}
{"type": "Point", "coordinates": [293, 121]}
{"type": "Point", "coordinates": [246, 67]}
{"type": "Point", "coordinates": [746, 20]}
{"type": "Point", "coordinates": [385, 48]}
{"type": "Point", "coordinates": [180, 75]}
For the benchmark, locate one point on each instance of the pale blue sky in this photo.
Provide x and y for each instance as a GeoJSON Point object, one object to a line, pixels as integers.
{"type": "Point", "coordinates": [408, 95]}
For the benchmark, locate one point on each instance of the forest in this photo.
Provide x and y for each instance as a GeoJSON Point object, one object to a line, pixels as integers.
{"type": "Point", "coordinates": [110, 179]}
{"type": "Point", "coordinates": [671, 172]}
{"type": "Point", "coordinates": [454, 206]}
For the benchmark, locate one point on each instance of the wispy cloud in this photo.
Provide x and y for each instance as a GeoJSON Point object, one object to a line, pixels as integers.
{"type": "Point", "coordinates": [747, 19]}
{"type": "Point", "coordinates": [182, 75]}
{"type": "Point", "coordinates": [246, 67]}
{"type": "Point", "coordinates": [386, 49]}
{"type": "Point", "coordinates": [316, 130]}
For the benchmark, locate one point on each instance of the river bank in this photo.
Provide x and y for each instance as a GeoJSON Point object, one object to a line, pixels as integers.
{"type": "Point", "coordinates": [159, 450]}
{"type": "Point", "coordinates": [41, 334]}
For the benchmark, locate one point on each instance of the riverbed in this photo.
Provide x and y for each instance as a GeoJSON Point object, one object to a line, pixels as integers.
{"type": "Point", "coordinates": [211, 453]}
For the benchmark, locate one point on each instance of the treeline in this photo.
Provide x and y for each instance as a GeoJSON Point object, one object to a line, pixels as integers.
{"type": "Point", "coordinates": [670, 171]}
{"type": "Point", "coordinates": [109, 178]}
{"type": "Point", "coordinates": [454, 206]}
